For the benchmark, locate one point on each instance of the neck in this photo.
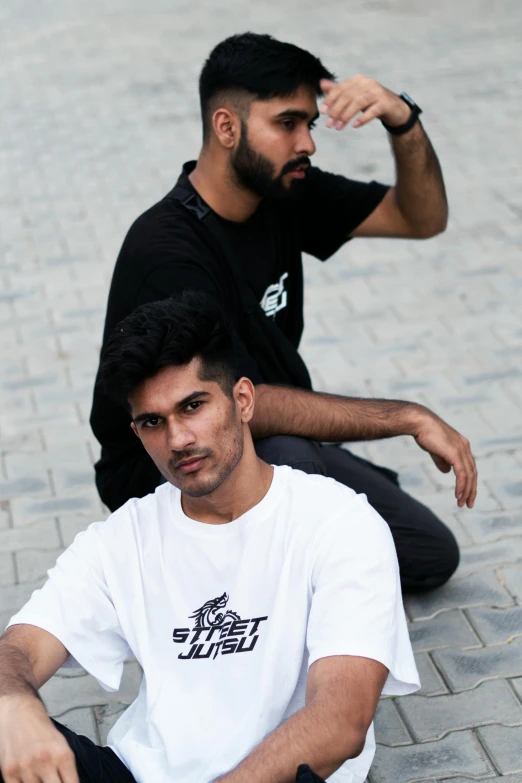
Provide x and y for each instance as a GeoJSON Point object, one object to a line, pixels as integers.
{"type": "Point", "coordinates": [217, 186]}
{"type": "Point", "coordinates": [243, 489]}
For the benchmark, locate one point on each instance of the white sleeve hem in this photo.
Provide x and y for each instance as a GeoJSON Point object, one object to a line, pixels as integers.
{"type": "Point", "coordinates": [401, 681]}
{"type": "Point", "coordinates": [109, 681]}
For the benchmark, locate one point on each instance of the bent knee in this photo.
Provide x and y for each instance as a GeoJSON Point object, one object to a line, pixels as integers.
{"type": "Point", "coordinates": [431, 563]}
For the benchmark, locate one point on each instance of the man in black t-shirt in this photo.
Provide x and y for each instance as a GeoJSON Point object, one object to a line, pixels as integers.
{"type": "Point", "coordinates": [235, 226]}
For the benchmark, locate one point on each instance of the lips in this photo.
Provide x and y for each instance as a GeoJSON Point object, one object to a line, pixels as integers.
{"type": "Point", "coordinates": [189, 465]}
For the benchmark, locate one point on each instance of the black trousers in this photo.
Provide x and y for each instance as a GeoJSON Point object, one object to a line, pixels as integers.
{"type": "Point", "coordinates": [97, 764]}
{"type": "Point", "coordinates": [426, 549]}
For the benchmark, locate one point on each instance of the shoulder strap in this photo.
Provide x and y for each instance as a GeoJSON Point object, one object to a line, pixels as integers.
{"type": "Point", "coordinates": [195, 204]}
{"type": "Point", "coordinates": [279, 360]}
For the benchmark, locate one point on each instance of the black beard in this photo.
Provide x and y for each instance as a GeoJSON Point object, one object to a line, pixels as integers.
{"type": "Point", "coordinates": [257, 173]}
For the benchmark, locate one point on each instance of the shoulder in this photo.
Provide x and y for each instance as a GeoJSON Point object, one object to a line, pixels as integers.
{"type": "Point", "coordinates": [137, 518]}
{"type": "Point", "coordinates": [335, 513]}
{"type": "Point", "coordinates": [166, 217]}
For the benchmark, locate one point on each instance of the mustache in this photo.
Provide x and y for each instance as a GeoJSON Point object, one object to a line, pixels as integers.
{"type": "Point", "coordinates": [181, 456]}
{"type": "Point", "coordinates": [293, 164]}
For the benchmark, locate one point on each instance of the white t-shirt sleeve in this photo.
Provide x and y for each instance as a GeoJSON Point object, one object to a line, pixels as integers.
{"type": "Point", "coordinates": [75, 606]}
{"type": "Point", "coordinates": [356, 596]}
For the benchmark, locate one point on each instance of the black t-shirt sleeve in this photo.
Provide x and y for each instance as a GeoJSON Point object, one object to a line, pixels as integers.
{"type": "Point", "coordinates": [331, 207]}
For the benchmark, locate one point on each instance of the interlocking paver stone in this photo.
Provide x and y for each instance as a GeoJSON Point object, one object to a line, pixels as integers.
{"type": "Point", "coordinates": [507, 550]}
{"type": "Point", "coordinates": [63, 693]}
{"type": "Point", "coordinates": [504, 746]}
{"type": "Point", "coordinates": [389, 726]}
{"type": "Point", "coordinates": [7, 571]}
{"type": "Point", "coordinates": [34, 563]}
{"type": "Point", "coordinates": [459, 753]}
{"type": "Point", "coordinates": [447, 629]}
{"type": "Point", "coordinates": [431, 718]}
{"type": "Point", "coordinates": [480, 589]}
{"type": "Point", "coordinates": [495, 626]}
{"type": "Point", "coordinates": [430, 679]}
{"type": "Point", "coordinates": [81, 720]}
{"type": "Point", "coordinates": [464, 669]}
{"type": "Point", "coordinates": [512, 578]}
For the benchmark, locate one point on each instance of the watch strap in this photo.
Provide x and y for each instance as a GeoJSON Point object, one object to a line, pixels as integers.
{"type": "Point", "coordinates": [398, 130]}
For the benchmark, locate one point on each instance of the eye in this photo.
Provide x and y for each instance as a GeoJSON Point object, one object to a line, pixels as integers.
{"type": "Point", "coordinates": [153, 422]}
{"type": "Point", "coordinates": [312, 125]}
{"type": "Point", "coordinates": [193, 406]}
{"type": "Point", "coordinates": [288, 124]}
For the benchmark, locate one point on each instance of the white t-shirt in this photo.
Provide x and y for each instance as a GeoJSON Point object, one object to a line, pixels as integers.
{"type": "Point", "coordinates": [226, 619]}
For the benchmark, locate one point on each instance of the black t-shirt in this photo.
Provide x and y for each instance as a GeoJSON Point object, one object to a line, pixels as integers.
{"type": "Point", "coordinates": [167, 249]}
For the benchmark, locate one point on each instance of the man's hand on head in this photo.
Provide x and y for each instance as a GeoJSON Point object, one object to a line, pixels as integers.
{"type": "Point", "coordinates": [448, 450]}
{"type": "Point", "coordinates": [361, 96]}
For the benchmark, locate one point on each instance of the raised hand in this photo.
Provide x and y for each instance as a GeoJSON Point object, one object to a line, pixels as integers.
{"type": "Point", "coordinates": [364, 97]}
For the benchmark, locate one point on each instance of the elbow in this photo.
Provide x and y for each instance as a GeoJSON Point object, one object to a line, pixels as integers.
{"type": "Point", "coordinates": [349, 743]}
{"type": "Point", "coordinates": [431, 229]}
{"type": "Point", "coordinates": [354, 743]}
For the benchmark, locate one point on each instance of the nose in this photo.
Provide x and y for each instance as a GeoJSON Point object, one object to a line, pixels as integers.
{"type": "Point", "coordinates": [179, 437]}
{"type": "Point", "coordinates": [305, 144]}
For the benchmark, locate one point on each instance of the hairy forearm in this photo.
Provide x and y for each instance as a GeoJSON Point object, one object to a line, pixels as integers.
{"type": "Point", "coordinates": [16, 674]}
{"type": "Point", "coordinates": [282, 410]}
{"type": "Point", "coordinates": [315, 735]}
{"type": "Point", "coordinates": [419, 191]}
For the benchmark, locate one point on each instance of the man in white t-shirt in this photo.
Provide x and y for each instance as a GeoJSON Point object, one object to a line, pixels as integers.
{"type": "Point", "coordinates": [262, 603]}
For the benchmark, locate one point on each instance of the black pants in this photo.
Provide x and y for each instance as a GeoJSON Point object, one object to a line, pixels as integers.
{"type": "Point", "coordinates": [96, 764]}
{"type": "Point", "coordinates": [427, 551]}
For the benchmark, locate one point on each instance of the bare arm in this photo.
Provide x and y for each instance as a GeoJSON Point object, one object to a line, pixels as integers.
{"type": "Point", "coordinates": [281, 410]}
{"type": "Point", "coordinates": [341, 698]}
{"type": "Point", "coordinates": [30, 747]}
{"type": "Point", "coordinates": [416, 207]}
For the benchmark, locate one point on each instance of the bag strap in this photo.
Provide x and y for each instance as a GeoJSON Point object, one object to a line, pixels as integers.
{"type": "Point", "coordinates": [268, 337]}
{"type": "Point", "coordinates": [195, 205]}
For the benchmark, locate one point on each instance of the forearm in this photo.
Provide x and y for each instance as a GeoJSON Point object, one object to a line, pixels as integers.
{"type": "Point", "coordinates": [16, 674]}
{"type": "Point", "coordinates": [282, 410]}
{"type": "Point", "coordinates": [419, 192]}
{"type": "Point", "coordinates": [315, 735]}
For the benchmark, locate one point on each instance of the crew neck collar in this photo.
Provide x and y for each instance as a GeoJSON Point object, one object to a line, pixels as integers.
{"type": "Point", "coordinates": [254, 516]}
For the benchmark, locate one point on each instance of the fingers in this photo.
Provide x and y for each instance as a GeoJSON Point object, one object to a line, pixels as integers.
{"type": "Point", "coordinates": [465, 471]}
{"type": "Point", "coordinates": [68, 772]}
{"type": "Point", "coordinates": [43, 766]}
{"type": "Point", "coordinates": [343, 100]}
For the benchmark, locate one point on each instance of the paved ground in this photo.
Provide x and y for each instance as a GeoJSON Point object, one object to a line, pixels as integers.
{"type": "Point", "coordinates": [99, 109]}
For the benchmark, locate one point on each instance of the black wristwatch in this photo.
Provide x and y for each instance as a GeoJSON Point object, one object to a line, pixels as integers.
{"type": "Point", "coordinates": [398, 130]}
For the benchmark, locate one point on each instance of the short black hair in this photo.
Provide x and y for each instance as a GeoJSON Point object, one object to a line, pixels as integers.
{"type": "Point", "coordinates": [170, 332]}
{"type": "Point", "coordinates": [257, 65]}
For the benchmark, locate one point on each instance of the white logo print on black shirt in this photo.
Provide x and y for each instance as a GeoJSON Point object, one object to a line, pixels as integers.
{"type": "Point", "coordinates": [275, 297]}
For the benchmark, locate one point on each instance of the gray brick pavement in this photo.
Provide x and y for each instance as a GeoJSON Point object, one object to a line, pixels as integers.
{"type": "Point", "coordinates": [99, 109]}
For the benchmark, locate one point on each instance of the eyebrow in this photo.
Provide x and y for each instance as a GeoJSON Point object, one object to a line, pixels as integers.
{"type": "Point", "coordinates": [181, 404]}
{"type": "Point", "coordinates": [298, 114]}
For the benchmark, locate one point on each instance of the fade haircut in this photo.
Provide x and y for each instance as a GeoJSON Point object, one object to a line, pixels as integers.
{"type": "Point", "coordinates": [252, 67]}
{"type": "Point", "coordinates": [170, 332]}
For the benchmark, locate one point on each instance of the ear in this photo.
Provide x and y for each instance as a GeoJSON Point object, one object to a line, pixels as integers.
{"type": "Point", "coordinates": [227, 127]}
{"type": "Point", "coordinates": [134, 429]}
{"type": "Point", "coordinates": [244, 394]}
